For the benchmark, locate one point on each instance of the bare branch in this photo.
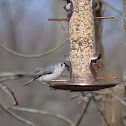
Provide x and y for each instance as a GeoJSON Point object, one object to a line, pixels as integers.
{"type": "Point", "coordinates": [16, 74]}
{"type": "Point", "coordinates": [16, 116]}
{"type": "Point", "coordinates": [32, 56]}
{"type": "Point", "coordinates": [99, 110]}
{"type": "Point", "coordinates": [119, 99]}
{"type": "Point", "coordinates": [111, 6]}
{"type": "Point", "coordinates": [10, 94]}
{"type": "Point", "coordinates": [63, 27]}
{"type": "Point", "coordinates": [35, 111]}
{"type": "Point", "coordinates": [108, 92]}
{"type": "Point", "coordinates": [110, 99]}
{"type": "Point", "coordinates": [83, 113]}
{"type": "Point", "coordinates": [85, 95]}
{"type": "Point", "coordinates": [8, 78]}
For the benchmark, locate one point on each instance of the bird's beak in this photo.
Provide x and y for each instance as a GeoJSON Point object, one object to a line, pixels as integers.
{"type": "Point", "coordinates": [68, 67]}
{"type": "Point", "coordinates": [64, 7]}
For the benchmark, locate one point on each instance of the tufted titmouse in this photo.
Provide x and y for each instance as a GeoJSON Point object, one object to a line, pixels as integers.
{"type": "Point", "coordinates": [51, 72]}
{"type": "Point", "coordinates": [68, 5]}
{"type": "Point", "coordinates": [69, 8]}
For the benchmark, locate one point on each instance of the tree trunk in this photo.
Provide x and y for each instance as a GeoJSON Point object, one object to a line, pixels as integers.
{"type": "Point", "coordinates": [112, 110]}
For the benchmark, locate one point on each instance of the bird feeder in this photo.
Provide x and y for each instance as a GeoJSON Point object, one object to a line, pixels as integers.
{"type": "Point", "coordinates": [83, 59]}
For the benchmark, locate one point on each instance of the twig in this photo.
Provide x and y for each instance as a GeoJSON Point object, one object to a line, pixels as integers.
{"type": "Point", "coordinates": [109, 99]}
{"type": "Point", "coordinates": [97, 98]}
{"type": "Point", "coordinates": [98, 92]}
{"type": "Point", "coordinates": [32, 56]}
{"type": "Point", "coordinates": [63, 27]}
{"type": "Point", "coordinates": [108, 92]}
{"type": "Point", "coordinates": [119, 99]}
{"type": "Point", "coordinates": [10, 94]}
{"type": "Point", "coordinates": [44, 113]}
{"type": "Point", "coordinates": [8, 78]}
{"type": "Point", "coordinates": [110, 6]}
{"type": "Point", "coordinates": [83, 113]}
{"type": "Point", "coordinates": [16, 116]}
{"type": "Point", "coordinates": [13, 75]}
{"type": "Point", "coordinates": [99, 110]}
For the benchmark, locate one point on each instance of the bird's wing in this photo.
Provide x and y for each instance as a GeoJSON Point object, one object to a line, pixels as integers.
{"type": "Point", "coordinates": [46, 71]}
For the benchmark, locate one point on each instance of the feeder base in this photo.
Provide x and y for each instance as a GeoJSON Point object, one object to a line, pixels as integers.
{"type": "Point", "coordinates": [82, 86]}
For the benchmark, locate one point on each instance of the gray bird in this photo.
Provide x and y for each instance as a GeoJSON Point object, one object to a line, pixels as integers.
{"type": "Point", "coordinates": [67, 7]}
{"type": "Point", "coordinates": [52, 72]}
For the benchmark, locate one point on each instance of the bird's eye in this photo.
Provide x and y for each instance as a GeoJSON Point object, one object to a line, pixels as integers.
{"type": "Point", "coordinates": [61, 64]}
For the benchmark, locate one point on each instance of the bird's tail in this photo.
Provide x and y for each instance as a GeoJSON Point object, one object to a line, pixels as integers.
{"type": "Point", "coordinates": [29, 82]}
